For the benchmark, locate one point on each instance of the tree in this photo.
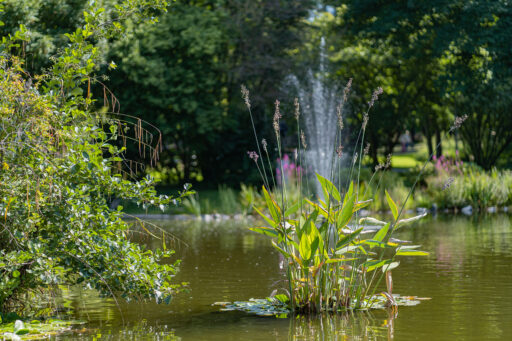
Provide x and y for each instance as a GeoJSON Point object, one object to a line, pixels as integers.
{"type": "Point", "coordinates": [458, 56]}
{"type": "Point", "coordinates": [185, 74]}
{"type": "Point", "coordinates": [58, 169]}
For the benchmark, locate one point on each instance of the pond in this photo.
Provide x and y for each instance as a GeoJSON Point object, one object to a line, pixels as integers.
{"type": "Point", "coordinates": [467, 276]}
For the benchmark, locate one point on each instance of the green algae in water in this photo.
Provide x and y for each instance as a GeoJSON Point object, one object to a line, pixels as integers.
{"type": "Point", "coordinates": [35, 329]}
{"type": "Point", "coordinates": [271, 307]}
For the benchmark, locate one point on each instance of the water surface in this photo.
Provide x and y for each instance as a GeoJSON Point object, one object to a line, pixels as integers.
{"type": "Point", "coordinates": [468, 276]}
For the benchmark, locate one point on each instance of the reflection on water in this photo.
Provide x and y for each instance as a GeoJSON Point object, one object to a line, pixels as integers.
{"type": "Point", "coordinates": [355, 326]}
{"type": "Point", "coordinates": [467, 276]}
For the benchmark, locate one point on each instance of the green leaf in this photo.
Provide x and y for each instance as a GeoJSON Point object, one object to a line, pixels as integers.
{"type": "Point", "coordinates": [283, 252]}
{"type": "Point", "coordinates": [321, 210]}
{"type": "Point", "coordinates": [348, 238]}
{"type": "Point", "coordinates": [328, 188]}
{"type": "Point", "coordinates": [292, 209]}
{"type": "Point", "coordinates": [282, 298]}
{"type": "Point", "coordinates": [362, 204]}
{"type": "Point", "coordinates": [410, 252]}
{"type": "Point", "coordinates": [375, 264]}
{"type": "Point", "coordinates": [305, 247]}
{"type": "Point", "coordinates": [392, 206]}
{"type": "Point", "coordinates": [310, 220]}
{"type": "Point", "coordinates": [267, 219]}
{"type": "Point", "coordinates": [273, 208]}
{"type": "Point", "coordinates": [381, 234]}
{"type": "Point", "coordinates": [265, 231]}
{"type": "Point", "coordinates": [346, 212]}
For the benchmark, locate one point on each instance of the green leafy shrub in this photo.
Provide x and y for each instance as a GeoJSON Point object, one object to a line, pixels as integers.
{"type": "Point", "coordinates": [60, 165]}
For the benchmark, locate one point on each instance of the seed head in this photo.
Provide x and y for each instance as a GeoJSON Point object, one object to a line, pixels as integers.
{"type": "Point", "coordinates": [264, 145]}
{"type": "Point", "coordinates": [355, 158]}
{"type": "Point", "coordinates": [253, 156]}
{"type": "Point", "coordinates": [367, 148]}
{"type": "Point", "coordinates": [277, 116]}
{"type": "Point", "coordinates": [448, 183]}
{"type": "Point", "coordinates": [245, 96]}
{"type": "Point", "coordinates": [339, 112]}
{"type": "Point", "coordinates": [388, 161]}
{"type": "Point", "coordinates": [375, 96]}
{"type": "Point", "coordinates": [303, 139]}
{"type": "Point", "coordinates": [346, 91]}
{"type": "Point", "coordinates": [297, 108]}
{"type": "Point", "coordinates": [339, 150]}
{"type": "Point", "coordinates": [458, 122]}
{"type": "Point", "coordinates": [365, 120]}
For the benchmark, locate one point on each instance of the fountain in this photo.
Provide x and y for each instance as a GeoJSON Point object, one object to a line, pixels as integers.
{"type": "Point", "coordinates": [319, 101]}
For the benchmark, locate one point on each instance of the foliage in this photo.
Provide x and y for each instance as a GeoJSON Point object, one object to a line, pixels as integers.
{"type": "Point", "coordinates": [446, 57]}
{"type": "Point", "coordinates": [60, 167]}
{"type": "Point", "coordinates": [333, 266]}
{"type": "Point", "coordinates": [479, 189]}
{"type": "Point", "coordinates": [184, 74]}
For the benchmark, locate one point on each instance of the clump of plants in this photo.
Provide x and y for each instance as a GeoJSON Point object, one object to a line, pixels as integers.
{"type": "Point", "coordinates": [62, 160]}
{"type": "Point", "coordinates": [336, 259]}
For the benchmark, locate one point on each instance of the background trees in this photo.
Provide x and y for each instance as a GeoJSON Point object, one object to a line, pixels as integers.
{"type": "Point", "coordinates": [447, 57]}
{"type": "Point", "coordinates": [435, 60]}
{"type": "Point", "coordinates": [184, 74]}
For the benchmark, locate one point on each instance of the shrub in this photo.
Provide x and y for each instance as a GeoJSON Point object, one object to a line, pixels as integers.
{"type": "Point", "coordinates": [60, 164]}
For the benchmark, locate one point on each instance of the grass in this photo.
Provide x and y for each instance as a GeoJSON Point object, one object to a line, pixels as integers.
{"type": "Point", "coordinates": [405, 161]}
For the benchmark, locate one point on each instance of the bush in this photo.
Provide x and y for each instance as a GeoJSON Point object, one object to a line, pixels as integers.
{"type": "Point", "coordinates": [59, 167]}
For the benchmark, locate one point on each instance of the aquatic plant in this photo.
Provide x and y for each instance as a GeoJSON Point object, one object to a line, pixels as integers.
{"type": "Point", "coordinates": [336, 260]}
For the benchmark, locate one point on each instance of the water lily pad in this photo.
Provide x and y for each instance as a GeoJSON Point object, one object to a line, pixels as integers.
{"type": "Point", "coordinates": [35, 329]}
{"type": "Point", "coordinates": [272, 307]}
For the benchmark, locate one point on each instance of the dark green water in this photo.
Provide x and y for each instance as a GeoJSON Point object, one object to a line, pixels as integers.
{"type": "Point", "coordinates": [468, 276]}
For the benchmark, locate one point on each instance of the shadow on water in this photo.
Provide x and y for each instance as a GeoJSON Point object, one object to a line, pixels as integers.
{"type": "Point", "coordinates": [467, 276]}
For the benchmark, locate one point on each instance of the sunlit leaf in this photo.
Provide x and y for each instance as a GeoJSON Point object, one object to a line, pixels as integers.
{"type": "Point", "coordinates": [403, 222]}
{"type": "Point", "coordinates": [265, 231]}
{"type": "Point", "coordinates": [348, 238]}
{"type": "Point", "coordinates": [381, 234]}
{"type": "Point", "coordinates": [371, 221]}
{"type": "Point", "coordinates": [410, 252]}
{"type": "Point", "coordinates": [328, 188]}
{"type": "Point", "coordinates": [392, 206]}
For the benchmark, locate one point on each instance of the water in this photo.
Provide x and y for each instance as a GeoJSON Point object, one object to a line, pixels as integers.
{"type": "Point", "coordinates": [467, 276]}
{"type": "Point", "coordinates": [319, 99]}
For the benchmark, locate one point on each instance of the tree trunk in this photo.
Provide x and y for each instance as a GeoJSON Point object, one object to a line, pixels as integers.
{"type": "Point", "coordinates": [439, 147]}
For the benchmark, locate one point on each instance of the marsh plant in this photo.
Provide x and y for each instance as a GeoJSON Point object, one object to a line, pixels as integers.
{"type": "Point", "coordinates": [337, 259]}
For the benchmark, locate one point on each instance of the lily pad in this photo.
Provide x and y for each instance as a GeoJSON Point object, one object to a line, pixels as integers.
{"type": "Point", "coordinates": [35, 329]}
{"type": "Point", "coordinates": [271, 307]}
